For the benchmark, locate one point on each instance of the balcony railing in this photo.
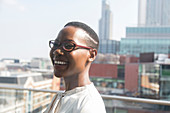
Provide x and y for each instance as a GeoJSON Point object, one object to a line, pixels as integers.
{"type": "Point", "coordinates": [27, 100]}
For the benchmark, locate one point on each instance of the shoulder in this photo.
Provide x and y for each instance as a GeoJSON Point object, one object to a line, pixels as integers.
{"type": "Point", "coordinates": [92, 102]}
{"type": "Point", "coordinates": [93, 93]}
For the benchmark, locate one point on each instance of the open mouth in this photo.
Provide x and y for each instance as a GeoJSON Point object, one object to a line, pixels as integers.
{"type": "Point", "coordinates": [60, 62]}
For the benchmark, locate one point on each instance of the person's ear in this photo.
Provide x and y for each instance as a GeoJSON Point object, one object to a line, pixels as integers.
{"type": "Point", "coordinates": [93, 54]}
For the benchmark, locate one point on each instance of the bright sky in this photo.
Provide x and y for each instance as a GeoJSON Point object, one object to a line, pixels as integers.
{"type": "Point", "coordinates": [26, 26]}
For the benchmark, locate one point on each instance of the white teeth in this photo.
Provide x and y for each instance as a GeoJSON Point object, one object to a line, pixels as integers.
{"type": "Point", "coordinates": [60, 62]}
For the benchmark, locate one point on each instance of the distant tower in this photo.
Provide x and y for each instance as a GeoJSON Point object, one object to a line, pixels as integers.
{"type": "Point", "coordinates": [107, 45]}
{"type": "Point", "coordinates": [154, 13]}
{"type": "Point", "coordinates": [105, 23]}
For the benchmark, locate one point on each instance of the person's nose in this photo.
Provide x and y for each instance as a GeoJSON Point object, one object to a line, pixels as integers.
{"type": "Point", "coordinates": [58, 52]}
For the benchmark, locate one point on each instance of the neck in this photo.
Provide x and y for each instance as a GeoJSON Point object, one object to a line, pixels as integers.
{"type": "Point", "coordinates": [78, 80]}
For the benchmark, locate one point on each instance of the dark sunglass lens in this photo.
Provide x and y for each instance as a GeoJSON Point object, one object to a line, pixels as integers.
{"type": "Point", "coordinates": [68, 46]}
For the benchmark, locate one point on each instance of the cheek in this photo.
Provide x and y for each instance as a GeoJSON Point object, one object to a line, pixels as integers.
{"type": "Point", "coordinates": [79, 60]}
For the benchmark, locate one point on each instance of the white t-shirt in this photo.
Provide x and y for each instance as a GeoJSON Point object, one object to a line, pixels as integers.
{"type": "Point", "coordinates": [84, 99]}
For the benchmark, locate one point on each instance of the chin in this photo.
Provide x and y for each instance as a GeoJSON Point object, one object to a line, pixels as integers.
{"type": "Point", "coordinates": [58, 75]}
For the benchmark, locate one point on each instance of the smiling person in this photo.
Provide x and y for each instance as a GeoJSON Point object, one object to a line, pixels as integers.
{"type": "Point", "coordinates": [72, 53]}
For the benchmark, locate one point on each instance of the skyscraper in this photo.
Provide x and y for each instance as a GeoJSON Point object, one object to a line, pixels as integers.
{"type": "Point", "coordinates": [105, 31]}
{"type": "Point", "coordinates": [154, 13]}
{"type": "Point", "coordinates": [105, 23]}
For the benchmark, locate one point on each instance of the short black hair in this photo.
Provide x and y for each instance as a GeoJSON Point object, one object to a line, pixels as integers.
{"type": "Point", "coordinates": [94, 42]}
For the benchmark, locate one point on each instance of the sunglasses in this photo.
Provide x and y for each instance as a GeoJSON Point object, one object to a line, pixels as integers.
{"type": "Point", "coordinates": [67, 45]}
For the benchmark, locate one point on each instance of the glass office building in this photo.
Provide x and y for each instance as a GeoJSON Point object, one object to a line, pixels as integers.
{"type": "Point", "coordinates": [146, 39]}
{"type": "Point", "coordinates": [137, 46]}
{"type": "Point", "coordinates": [109, 46]}
{"type": "Point", "coordinates": [148, 32]}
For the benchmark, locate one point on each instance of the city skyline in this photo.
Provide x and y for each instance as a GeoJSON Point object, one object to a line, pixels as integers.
{"type": "Point", "coordinates": [27, 26]}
